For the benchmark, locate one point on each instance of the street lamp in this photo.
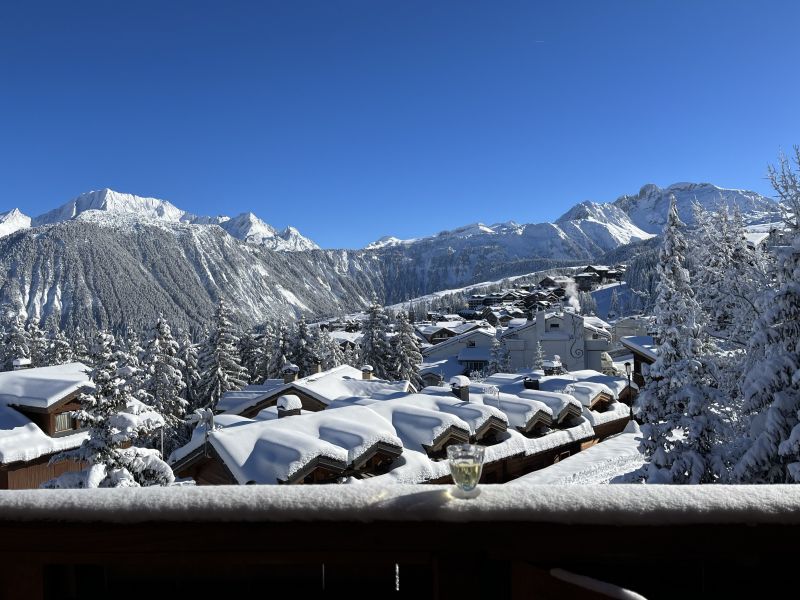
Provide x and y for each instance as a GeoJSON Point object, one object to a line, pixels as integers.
{"type": "Point", "coordinates": [630, 391]}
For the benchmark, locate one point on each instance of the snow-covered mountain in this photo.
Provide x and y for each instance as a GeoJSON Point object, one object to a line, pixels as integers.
{"type": "Point", "coordinates": [648, 208]}
{"type": "Point", "coordinates": [117, 206]}
{"type": "Point", "coordinates": [12, 221]}
{"type": "Point", "coordinates": [251, 229]}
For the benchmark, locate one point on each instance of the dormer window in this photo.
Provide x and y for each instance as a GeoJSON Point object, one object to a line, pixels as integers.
{"type": "Point", "coordinates": [471, 344]}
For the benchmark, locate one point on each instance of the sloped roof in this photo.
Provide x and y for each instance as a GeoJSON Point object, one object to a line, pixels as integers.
{"type": "Point", "coordinates": [42, 387]}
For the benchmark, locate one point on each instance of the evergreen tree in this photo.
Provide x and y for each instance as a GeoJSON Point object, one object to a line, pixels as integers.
{"type": "Point", "coordinates": [266, 341]}
{"type": "Point", "coordinates": [375, 348]}
{"type": "Point", "coordinates": [17, 342]}
{"type": "Point", "coordinates": [352, 356]}
{"type": "Point", "coordinates": [79, 348]}
{"type": "Point", "coordinates": [38, 344]}
{"type": "Point", "coordinates": [165, 385]}
{"type": "Point", "coordinates": [677, 406]}
{"type": "Point", "coordinates": [305, 348]}
{"type": "Point", "coordinates": [405, 355]}
{"type": "Point", "coordinates": [112, 460]}
{"type": "Point", "coordinates": [250, 349]}
{"type": "Point", "coordinates": [188, 354]}
{"type": "Point", "coordinates": [59, 350]}
{"type": "Point", "coordinates": [332, 355]}
{"type": "Point", "coordinates": [772, 380]}
{"type": "Point", "coordinates": [538, 357]}
{"type": "Point", "coordinates": [220, 363]}
{"type": "Point", "coordinates": [278, 356]}
{"type": "Point", "coordinates": [499, 359]}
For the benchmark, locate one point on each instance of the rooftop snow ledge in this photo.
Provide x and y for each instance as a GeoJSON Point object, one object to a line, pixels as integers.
{"type": "Point", "coordinates": [586, 505]}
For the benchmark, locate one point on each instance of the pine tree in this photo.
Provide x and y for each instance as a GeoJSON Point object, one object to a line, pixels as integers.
{"type": "Point", "coordinates": [772, 380]}
{"type": "Point", "coordinates": [305, 349]}
{"type": "Point", "coordinates": [405, 355]}
{"type": "Point", "coordinates": [352, 356]}
{"type": "Point", "coordinates": [188, 354]}
{"type": "Point", "coordinates": [38, 344]}
{"type": "Point", "coordinates": [679, 396]}
{"type": "Point", "coordinates": [59, 350]}
{"type": "Point", "coordinates": [499, 359]}
{"type": "Point", "coordinates": [164, 383]}
{"type": "Point", "coordinates": [332, 355]}
{"type": "Point", "coordinates": [220, 363]}
{"type": "Point", "coordinates": [538, 357]}
{"type": "Point", "coordinates": [17, 342]}
{"type": "Point", "coordinates": [79, 348]}
{"type": "Point", "coordinates": [278, 356]}
{"type": "Point", "coordinates": [375, 349]}
{"type": "Point", "coordinates": [112, 460]}
{"type": "Point", "coordinates": [261, 368]}
{"type": "Point", "coordinates": [250, 349]}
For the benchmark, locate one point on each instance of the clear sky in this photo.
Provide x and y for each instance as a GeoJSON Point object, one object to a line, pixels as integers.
{"type": "Point", "coordinates": [356, 119]}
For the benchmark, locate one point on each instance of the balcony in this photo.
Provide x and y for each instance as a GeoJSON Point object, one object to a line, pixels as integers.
{"type": "Point", "coordinates": [364, 540]}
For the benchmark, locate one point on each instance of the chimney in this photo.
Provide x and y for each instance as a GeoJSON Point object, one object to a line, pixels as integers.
{"type": "Point", "coordinates": [460, 387]}
{"type": "Point", "coordinates": [317, 368]}
{"type": "Point", "coordinates": [530, 383]}
{"type": "Point", "coordinates": [290, 372]}
{"type": "Point", "coordinates": [289, 406]}
{"type": "Point", "coordinates": [19, 364]}
{"type": "Point", "coordinates": [366, 372]}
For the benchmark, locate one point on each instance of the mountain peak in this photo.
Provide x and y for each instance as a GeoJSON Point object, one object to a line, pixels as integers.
{"type": "Point", "coordinates": [12, 221]}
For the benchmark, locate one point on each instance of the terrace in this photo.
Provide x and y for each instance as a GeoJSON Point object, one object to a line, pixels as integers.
{"type": "Point", "coordinates": [371, 541]}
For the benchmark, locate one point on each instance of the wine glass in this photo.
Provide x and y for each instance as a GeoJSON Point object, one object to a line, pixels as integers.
{"type": "Point", "coordinates": [466, 464]}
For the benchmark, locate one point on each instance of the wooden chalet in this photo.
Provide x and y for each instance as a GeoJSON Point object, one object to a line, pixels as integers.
{"type": "Point", "coordinates": [36, 422]}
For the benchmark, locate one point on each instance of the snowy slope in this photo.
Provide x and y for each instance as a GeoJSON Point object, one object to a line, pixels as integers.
{"type": "Point", "coordinates": [12, 221]}
{"type": "Point", "coordinates": [648, 208]}
{"type": "Point", "coordinates": [246, 227]}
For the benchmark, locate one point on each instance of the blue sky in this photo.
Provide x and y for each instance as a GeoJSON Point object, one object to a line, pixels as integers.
{"type": "Point", "coordinates": [353, 120]}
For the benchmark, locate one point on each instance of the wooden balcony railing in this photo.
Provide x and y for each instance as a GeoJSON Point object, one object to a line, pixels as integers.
{"type": "Point", "coordinates": [363, 540]}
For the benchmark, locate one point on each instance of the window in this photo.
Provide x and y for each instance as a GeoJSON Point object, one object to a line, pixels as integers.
{"type": "Point", "coordinates": [471, 344]}
{"type": "Point", "coordinates": [64, 422]}
{"type": "Point", "coordinates": [553, 325]}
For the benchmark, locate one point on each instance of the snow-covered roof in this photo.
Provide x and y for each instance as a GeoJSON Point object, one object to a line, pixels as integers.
{"type": "Point", "coordinates": [598, 464]}
{"type": "Point", "coordinates": [447, 368]}
{"type": "Point", "coordinates": [340, 382]}
{"type": "Point", "coordinates": [265, 452]}
{"type": "Point", "coordinates": [42, 387]}
{"type": "Point", "coordinates": [584, 391]}
{"type": "Point", "coordinates": [354, 337]}
{"type": "Point", "coordinates": [488, 332]}
{"type": "Point", "coordinates": [615, 384]}
{"type": "Point", "coordinates": [21, 439]}
{"type": "Point", "coordinates": [643, 344]}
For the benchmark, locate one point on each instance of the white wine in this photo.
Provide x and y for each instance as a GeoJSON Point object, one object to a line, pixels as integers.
{"type": "Point", "coordinates": [466, 473]}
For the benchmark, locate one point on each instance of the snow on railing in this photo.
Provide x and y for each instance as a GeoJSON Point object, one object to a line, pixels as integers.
{"type": "Point", "coordinates": [364, 502]}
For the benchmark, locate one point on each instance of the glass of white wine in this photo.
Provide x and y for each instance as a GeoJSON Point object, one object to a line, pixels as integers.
{"type": "Point", "coordinates": [466, 464]}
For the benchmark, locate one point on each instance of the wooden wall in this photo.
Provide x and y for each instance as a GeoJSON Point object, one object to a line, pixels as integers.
{"type": "Point", "coordinates": [32, 474]}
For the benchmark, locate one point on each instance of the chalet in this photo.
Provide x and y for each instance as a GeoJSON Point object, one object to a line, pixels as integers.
{"type": "Point", "coordinates": [475, 301]}
{"type": "Point", "coordinates": [499, 316]}
{"type": "Point", "coordinates": [631, 326]}
{"type": "Point", "coordinates": [600, 270]}
{"type": "Point", "coordinates": [315, 391]}
{"type": "Point", "coordinates": [579, 340]}
{"type": "Point", "coordinates": [555, 281]}
{"type": "Point", "coordinates": [36, 422]}
{"type": "Point", "coordinates": [459, 355]}
{"type": "Point", "coordinates": [644, 352]}
{"type": "Point", "coordinates": [318, 447]}
{"type": "Point", "coordinates": [587, 281]}
{"type": "Point", "coordinates": [443, 330]}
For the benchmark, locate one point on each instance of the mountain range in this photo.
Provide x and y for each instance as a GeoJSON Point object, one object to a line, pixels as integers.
{"type": "Point", "coordinates": [117, 259]}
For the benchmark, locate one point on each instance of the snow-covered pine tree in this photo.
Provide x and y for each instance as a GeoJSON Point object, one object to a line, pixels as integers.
{"type": "Point", "coordinates": [250, 349]}
{"type": "Point", "coordinates": [677, 406]}
{"type": "Point", "coordinates": [498, 359]}
{"type": "Point", "coordinates": [332, 355]}
{"type": "Point", "coordinates": [112, 460]}
{"type": "Point", "coordinates": [305, 348]}
{"type": "Point", "coordinates": [375, 349]}
{"type": "Point", "coordinates": [220, 365]}
{"type": "Point", "coordinates": [352, 356]}
{"type": "Point", "coordinates": [405, 355]}
{"type": "Point", "coordinates": [266, 342]}
{"type": "Point", "coordinates": [164, 384]}
{"type": "Point", "coordinates": [278, 356]}
{"type": "Point", "coordinates": [188, 353]}
{"type": "Point", "coordinates": [772, 378]}
{"type": "Point", "coordinates": [59, 350]}
{"type": "Point", "coordinates": [538, 357]}
{"type": "Point", "coordinates": [17, 342]}
{"type": "Point", "coordinates": [38, 344]}
{"type": "Point", "coordinates": [80, 350]}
